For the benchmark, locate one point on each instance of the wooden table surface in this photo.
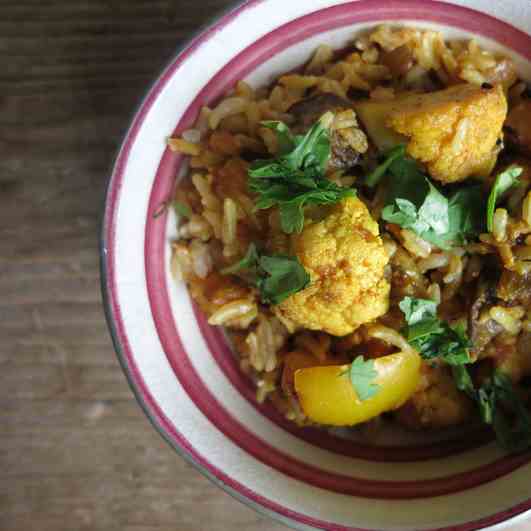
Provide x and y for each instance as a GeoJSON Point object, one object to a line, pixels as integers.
{"type": "Point", "coordinates": [76, 452]}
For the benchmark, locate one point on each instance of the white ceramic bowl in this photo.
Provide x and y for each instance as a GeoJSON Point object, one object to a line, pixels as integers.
{"type": "Point", "coordinates": [181, 370]}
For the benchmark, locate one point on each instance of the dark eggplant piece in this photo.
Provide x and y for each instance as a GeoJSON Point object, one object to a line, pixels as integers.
{"type": "Point", "coordinates": [482, 330]}
{"type": "Point", "coordinates": [518, 127]}
{"type": "Point", "coordinates": [524, 343]}
{"type": "Point", "coordinates": [306, 112]}
{"type": "Point", "coordinates": [514, 288]}
{"type": "Point", "coordinates": [399, 61]}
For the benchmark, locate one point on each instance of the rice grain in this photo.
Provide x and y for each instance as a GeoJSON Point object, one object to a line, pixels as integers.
{"type": "Point", "coordinates": [526, 208]}
{"type": "Point", "coordinates": [499, 224]}
{"type": "Point", "coordinates": [232, 310]}
{"type": "Point", "coordinates": [179, 145]}
{"type": "Point", "coordinates": [509, 318]}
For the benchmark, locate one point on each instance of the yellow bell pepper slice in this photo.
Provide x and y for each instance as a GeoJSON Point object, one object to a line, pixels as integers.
{"type": "Point", "coordinates": [327, 396]}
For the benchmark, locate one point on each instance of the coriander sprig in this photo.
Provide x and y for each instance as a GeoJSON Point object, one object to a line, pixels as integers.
{"type": "Point", "coordinates": [295, 178]}
{"type": "Point", "coordinates": [503, 182]}
{"type": "Point", "coordinates": [362, 375]}
{"type": "Point", "coordinates": [415, 203]}
{"type": "Point", "coordinates": [277, 277]}
{"type": "Point", "coordinates": [432, 337]}
{"type": "Point", "coordinates": [500, 406]}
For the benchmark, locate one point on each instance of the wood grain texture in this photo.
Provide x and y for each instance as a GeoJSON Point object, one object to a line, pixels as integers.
{"type": "Point", "coordinates": [76, 452]}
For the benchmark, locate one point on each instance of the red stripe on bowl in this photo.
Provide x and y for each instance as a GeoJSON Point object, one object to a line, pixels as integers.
{"type": "Point", "coordinates": [340, 15]}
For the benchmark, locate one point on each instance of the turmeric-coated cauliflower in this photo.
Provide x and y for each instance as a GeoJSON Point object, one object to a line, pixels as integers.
{"type": "Point", "coordinates": [345, 258]}
{"type": "Point", "coordinates": [453, 131]}
{"type": "Point", "coordinates": [456, 132]}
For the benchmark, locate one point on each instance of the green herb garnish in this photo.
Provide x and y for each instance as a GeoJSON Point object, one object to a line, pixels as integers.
{"type": "Point", "coordinates": [248, 262]}
{"type": "Point", "coordinates": [462, 380]}
{"type": "Point", "coordinates": [362, 375]}
{"type": "Point", "coordinates": [501, 407]}
{"type": "Point", "coordinates": [504, 181]}
{"type": "Point", "coordinates": [414, 203]}
{"type": "Point", "coordinates": [182, 209]}
{"type": "Point", "coordinates": [277, 277]}
{"type": "Point", "coordinates": [465, 213]}
{"type": "Point", "coordinates": [416, 310]}
{"type": "Point", "coordinates": [376, 175]}
{"type": "Point", "coordinates": [432, 337]}
{"type": "Point", "coordinates": [284, 276]}
{"type": "Point", "coordinates": [296, 177]}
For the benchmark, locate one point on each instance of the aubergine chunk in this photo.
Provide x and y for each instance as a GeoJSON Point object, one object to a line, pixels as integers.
{"type": "Point", "coordinates": [518, 127]}
{"type": "Point", "coordinates": [514, 288]}
{"type": "Point", "coordinates": [482, 329]}
{"type": "Point", "coordinates": [347, 140]}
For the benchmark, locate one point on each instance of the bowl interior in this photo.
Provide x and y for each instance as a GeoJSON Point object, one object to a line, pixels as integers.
{"type": "Point", "coordinates": [182, 370]}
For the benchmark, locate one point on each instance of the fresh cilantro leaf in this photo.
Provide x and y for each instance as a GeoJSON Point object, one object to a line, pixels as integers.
{"type": "Point", "coordinates": [403, 213]}
{"type": "Point", "coordinates": [308, 155]}
{"type": "Point", "coordinates": [486, 403]}
{"type": "Point", "coordinates": [428, 218]}
{"type": "Point", "coordinates": [276, 277]}
{"type": "Point", "coordinates": [284, 276]}
{"type": "Point", "coordinates": [292, 215]}
{"type": "Point", "coordinates": [500, 406]}
{"type": "Point", "coordinates": [312, 151]}
{"type": "Point", "coordinates": [248, 262]}
{"type": "Point", "coordinates": [465, 214]}
{"type": "Point", "coordinates": [376, 175]}
{"type": "Point", "coordinates": [362, 375]}
{"type": "Point", "coordinates": [286, 141]}
{"type": "Point", "coordinates": [504, 181]}
{"type": "Point", "coordinates": [512, 421]}
{"type": "Point", "coordinates": [405, 168]}
{"type": "Point", "coordinates": [295, 178]}
{"type": "Point", "coordinates": [463, 381]}
{"type": "Point", "coordinates": [456, 350]}
{"type": "Point", "coordinates": [425, 330]}
{"type": "Point", "coordinates": [182, 209]}
{"type": "Point", "coordinates": [416, 310]}
{"type": "Point", "coordinates": [439, 340]}
{"type": "Point", "coordinates": [434, 211]}
{"type": "Point", "coordinates": [432, 337]}
{"type": "Point", "coordinates": [414, 203]}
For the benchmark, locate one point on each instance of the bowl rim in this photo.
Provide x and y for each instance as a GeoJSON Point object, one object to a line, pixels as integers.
{"type": "Point", "coordinates": [293, 519]}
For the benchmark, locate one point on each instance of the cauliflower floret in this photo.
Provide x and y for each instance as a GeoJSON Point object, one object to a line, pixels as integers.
{"type": "Point", "coordinates": [345, 258]}
{"type": "Point", "coordinates": [453, 131]}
